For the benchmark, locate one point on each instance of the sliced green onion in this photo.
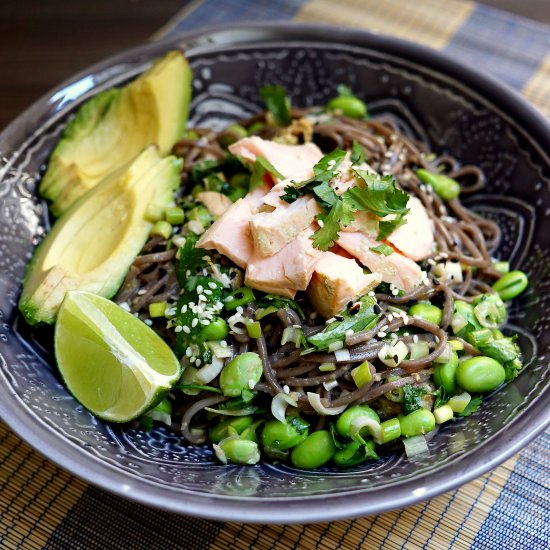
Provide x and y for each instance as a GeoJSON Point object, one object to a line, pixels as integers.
{"type": "Point", "coordinates": [501, 267]}
{"type": "Point", "coordinates": [445, 356]}
{"type": "Point", "coordinates": [362, 374]}
{"type": "Point", "coordinates": [443, 414]}
{"type": "Point", "coordinates": [254, 329]}
{"type": "Point", "coordinates": [459, 402]}
{"type": "Point", "coordinates": [218, 350]}
{"type": "Point", "coordinates": [392, 355]}
{"type": "Point", "coordinates": [157, 309]}
{"type": "Point", "coordinates": [416, 446]}
{"type": "Point", "coordinates": [175, 215]}
{"type": "Point", "coordinates": [458, 322]}
{"type": "Point", "coordinates": [327, 367]}
{"type": "Point", "coordinates": [162, 229]}
{"type": "Point", "coordinates": [335, 346]}
{"type": "Point", "coordinates": [389, 430]}
{"type": "Point", "coordinates": [418, 350]}
{"type": "Point", "coordinates": [238, 298]}
{"type": "Point", "coordinates": [456, 345]}
{"type": "Point", "coordinates": [153, 213]}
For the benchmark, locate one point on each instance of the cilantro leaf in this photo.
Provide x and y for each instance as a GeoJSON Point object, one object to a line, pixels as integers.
{"type": "Point", "coordinates": [383, 249]}
{"type": "Point", "coordinates": [412, 398]}
{"type": "Point", "coordinates": [340, 214]}
{"type": "Point", "coordinates": [260, 168]}
{"type": "Point", "coordinates": [277, 103]}
{"type": "Point", "coordinates": [386, 228]}
{"type": "Point", "coordinates": [471, 407]}
{"type": "Point", "coordinates": [292, 194]}
{"type": "Point", "coordinates": [325, 195]}
{"type": "Point", "coordinates": [357, 154]}
{"type": "Point", "coordinates": [440, 397]}
{"type": "Point", "coordinates": [380, 195]}
{"type": "Point", "coordinates": [191, 259]}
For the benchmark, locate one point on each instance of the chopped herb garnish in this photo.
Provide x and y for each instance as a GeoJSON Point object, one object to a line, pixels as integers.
{"type": "Point", "coordinates": [277, 103]}
{"type": "Point", "coordinates": [471, 407]}
{"type": "Point", "coordinates": [260, 168]}
{"type": "Point", "coordinates": [357, 154]}
{"type": "Point", "coordinates": [340, 214]}
{"type": "Point", "coordinates": [383, 249]}
{"type": "Point", "coordinates": [412, 398]}
{"type": "Point", "coordinates": [277, 302]}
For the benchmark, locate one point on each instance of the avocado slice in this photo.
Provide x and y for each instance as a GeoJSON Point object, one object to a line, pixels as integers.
{"type": "Point", "coordinates": [114, 126]}
{"type": "Point", "coordinates": [92, 246]}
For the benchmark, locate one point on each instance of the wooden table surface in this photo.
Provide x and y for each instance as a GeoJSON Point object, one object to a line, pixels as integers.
{"type": "Point", "coordinates": [43, 43]}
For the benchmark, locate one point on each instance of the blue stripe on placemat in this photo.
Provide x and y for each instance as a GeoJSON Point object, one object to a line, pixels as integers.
{"type": "Point", "coordinates": [212, 12]}
{"type": "Point", "coordinates": [508, 46]}
{"type": "Point", "coordinates": [519, 517]}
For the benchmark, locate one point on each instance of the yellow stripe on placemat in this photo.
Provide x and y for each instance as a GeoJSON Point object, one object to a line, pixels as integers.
{"type": "Point", "coordinates": [537, 88]}
{"type": "Point", "coordinates": [430, 22]}
{"type": "Point", "coordinates": [35, 495]}
{"type": "Point", "coordinates": [449, 521]}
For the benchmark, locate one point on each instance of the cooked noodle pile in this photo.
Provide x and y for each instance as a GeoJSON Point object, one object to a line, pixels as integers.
{"type": "Point", "coordinates": [461, 236]}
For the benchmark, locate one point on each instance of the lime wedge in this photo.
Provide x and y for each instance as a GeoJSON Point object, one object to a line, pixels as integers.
{"type": "Point", "coordinates": [114, 364]}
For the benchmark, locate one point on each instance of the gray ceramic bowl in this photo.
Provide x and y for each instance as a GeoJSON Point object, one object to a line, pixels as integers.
{"type": "Point", "coordinates": [456, 109]}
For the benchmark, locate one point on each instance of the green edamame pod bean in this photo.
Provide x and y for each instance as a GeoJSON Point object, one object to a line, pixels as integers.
{"type": "Point", "coordinates": [238, 451]}
{"type": "Point", "coordinates": [239, 297]}
{"type": "Point", "coordinates": [283, 436]}
{"type": "Point", "coordinates": [447, 188]}
{"type": "Point", "coordinates": [389, 430]}
{"type": "Point", "coordinates": [480, 374]}
{"type": "Point", "coordinates": [345, 420]}
{"type": "Point", "coordinates": [221, 431]}
{"type": "Point", "coordinates": [418, 422]}
{"type": "Point", "coordinates": [349, 106]}
{"type": "Point", "coordinates": [427, 312]}
{"type": "Point", "coordinates": [317, 449]}
{"type": "Point", "coordinates": [231, 134]}
{"type": "Point", "coordinates": [445, 375]}
{"type": "Point", "coordinates": [216, 330]}
{"type": "Point", "coordinates": [354, 453]}
{"type": "Point", "coordinates": [241, 373]}
{"type": "Point", "coordinates": [240, 179]}
{"type": "Point", "coordinates": [511, 284]}
{"type": "Point", "coordinates": [250, 432]}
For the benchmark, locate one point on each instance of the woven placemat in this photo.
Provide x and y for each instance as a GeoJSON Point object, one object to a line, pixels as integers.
{"type": "Point", "coordinates": [42, 506]}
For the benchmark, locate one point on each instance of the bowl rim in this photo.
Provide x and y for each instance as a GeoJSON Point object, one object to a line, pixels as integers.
{"type": "Point", "coordinates": [494, 451]}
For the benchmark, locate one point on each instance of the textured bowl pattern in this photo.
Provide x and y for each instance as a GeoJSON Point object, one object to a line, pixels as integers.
{"type": "Point", "coordinates": [440, 109]}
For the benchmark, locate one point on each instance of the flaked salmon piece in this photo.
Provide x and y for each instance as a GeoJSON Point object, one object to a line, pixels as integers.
{"type": "Point", "coordinates": [292, 161]}
{"type": "Point", "coordinates": [216, 203]}
{"type": "Point", "coordinates": [230, 234]}
{"type": "Point", "coordinates": [414, 239]}
{"type": "Point", "coordinates": [271, 231]}
{"type": "Point", "coordinates": [273, 198]}
{"type": "Point", "coordinates": [337, 281]}
{"type": "Point", "coordinates": [256, 197]}
{"type": "Point", "coordinates": [287, 271]}
{"type": "Point", "coordinates": [403, 272]}
{"type": "Point", "coordinates": [346, 178]}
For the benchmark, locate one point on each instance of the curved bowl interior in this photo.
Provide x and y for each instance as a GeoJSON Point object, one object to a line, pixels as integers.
{"type": "Point", "coordinates": [473, 118]}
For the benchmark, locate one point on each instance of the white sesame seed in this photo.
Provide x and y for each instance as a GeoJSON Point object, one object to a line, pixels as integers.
{"type": "Point", "coordinates": [286, 389]}
{"type": "Point", "coordinates": [184, 308]}
{"type": "Point", "coordinates": [223, 343]}
{"type": "Point", "coordinates": [208, 292]}
{"type": "Point", "coordinates": [331, 320]}
{"type": "Point", "coordinates": [415, 338]}
{"type": "Point", "coordinates": [212, 285]}
{"type": "Point", "coordinates": [189, 352]}
{"type": "Point", "coordinates": [371, 293]}
{"type": "Point", "coordinates": [321, 223]}
{"type": "Point", "coordinates": [186, 329]}
{"type": "Point", "coordinates": [199, 289]}
{"type": "Point", "coordinates": [198, 362]}
{"type": "Point", "coordinates": [395, 292]}
{"type": "Point", "coordinates": [141, 291]}
{"type": "Point", "coordinates": [148, 322]}
{"type": "Point", "coordinates": [205, 322]}
{"type": "Point", "coordinates": [239, 309]}
{"type": "Point", "coordinates": [178, 328]}
{"type": "Point", "coordinates": [390, 317]}
{"type": "Point", "coordinates": [381, 334]}
{"type": "Point", "coordinates": [125, 306]}
{"type": "Point", "coordinates": [194, 322]}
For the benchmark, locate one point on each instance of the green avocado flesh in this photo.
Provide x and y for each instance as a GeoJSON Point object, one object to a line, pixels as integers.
{"type": "Point", "coordinates": [92, 246]}
{"type": "Point", "coordinates": [114, 126]}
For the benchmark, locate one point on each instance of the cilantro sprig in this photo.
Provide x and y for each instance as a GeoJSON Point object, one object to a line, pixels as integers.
{"type": "Point", "coordinates": [277, 103]}
{"type": "Point", "coordinates": [375, 194]}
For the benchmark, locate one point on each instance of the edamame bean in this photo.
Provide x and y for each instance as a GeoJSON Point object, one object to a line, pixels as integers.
{"type": "Point", "coordinates": [418, 422]}
{"type": "Point", "coordinates": [231, 134]}
{"type": "Point", "coordinates": [349, 106]}
{"type": "Point", "coordinates": [480, 374]}
{"type": "Point", "coordinates": [222, 430]}
{"type": "Point", "coordinates": [283, 436]}
{"type": "Point", "coordinates": [317, 449]}
{"type": "Point", "coordinates": [511, 284]}
{"type": "Point", "coordinates": [238, 451]}
{"type": "Point", "coordinates": [354, 453]}
{"type": "Point", "coordinates": [445, 375]}
{"type": "Point", "coordinates": [239, 297]}
{"type": "Point", "coordinates": [447, 188]}
{"type": "Point", "coordinates": [427, 312]}
{"type": "Point", "coordinates": [345, 420]}
{"type": "Point", "coordinates": [241, 373]}
{"type": "Point", "coordinates": [216, 330]}
{"type": "Point", "coordinates": [389, 430]}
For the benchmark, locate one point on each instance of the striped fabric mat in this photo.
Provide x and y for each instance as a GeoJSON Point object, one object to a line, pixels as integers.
{"type": "Point", "coordinates": [44, 507]}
